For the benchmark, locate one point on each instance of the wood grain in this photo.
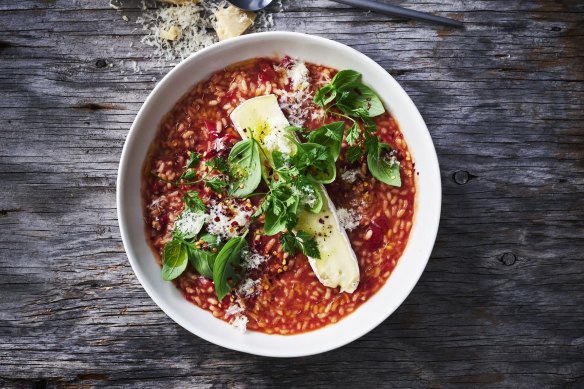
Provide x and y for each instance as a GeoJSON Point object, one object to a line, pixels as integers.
{"type": "Point", "coordinates": [501, 303]}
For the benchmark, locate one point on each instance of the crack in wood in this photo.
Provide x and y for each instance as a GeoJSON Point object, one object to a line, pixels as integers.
{"type": "Point", "coordinates": [98, 106]}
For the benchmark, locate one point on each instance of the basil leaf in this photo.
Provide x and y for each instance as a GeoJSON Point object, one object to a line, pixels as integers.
{"type": "Point", "coordinates": [330, 136]}
{"type": "Point", "coordinates": [174, 260]}
{"type": "Point", "coordinates": [228, 265]}
{"type": "Point", "coordinates": [346, 79]}
{"type": "Point", "coordinates": [368, 100]}
{"type": "Point", "coordinates": [312, 197]}
{"type": "Point", "coordinates": [203, 259]}
{"type": "Point", "coordinates": [189, 223]}
{"type": "Point", "coordinates": [382, 169]}
{"type": "Point", "coordinates": [325, 95]}
{"type": "Point", "coordinates": [245, 167]}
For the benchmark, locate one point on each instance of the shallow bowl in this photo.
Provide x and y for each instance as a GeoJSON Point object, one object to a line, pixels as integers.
{"type": "Point", "coordinates": [309, 48]}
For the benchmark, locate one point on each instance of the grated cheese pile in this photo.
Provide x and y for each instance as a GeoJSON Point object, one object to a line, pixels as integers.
{"type": "Point", "coordinates": [189, 25]}
{"type": "Point", "coordinates": [254, 260]}
{"type": "Point", "coordinates": [296, 103]}
{"type": "Point", "coordinates": [350, 176]}
{"type": "Point", "coordinates": [276, 140]}
{"type": "Point", "coordinates": [189, 223]}
{"type": "Point", "coordinates": [233, 310]}
{"type": "Point", "coordinates": [348, 218]}
{"type": "Point", "coordinates": [248, 287]}
{"type": "Point", "coordinates": [225, 220]}
{"type": "Point", "coordinates": [240, 322]}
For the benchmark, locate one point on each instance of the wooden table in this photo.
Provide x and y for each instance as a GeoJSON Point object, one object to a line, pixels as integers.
{"type": "Point", "coordinates": [501, 303]}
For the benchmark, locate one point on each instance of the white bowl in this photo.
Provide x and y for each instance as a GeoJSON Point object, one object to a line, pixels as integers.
{"type": "Point", "coordinates": [200, 66]}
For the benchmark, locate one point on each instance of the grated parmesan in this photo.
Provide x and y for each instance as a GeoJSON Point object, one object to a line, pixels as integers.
{"type": "Point", "coordinates": [240, 322]}
{"type": "Point", "coordinates": [349, 219]}
{"type": "Point", "coordinates": [248, 287]}
{"type": "Point", "coordinates": [350, 176]}
{"type": "Point", "coordinates": [190, 223]}
{"type": "Point", "coordinates": [296, 103]}
{"type": "Point", "coordinates": [254, 260]}
{"type": "Point", "coordinates": [298, 74]}
{"type": "Point", "coordinates": [225, 220]}
{"type": "Point", "coordinates": [189, 23]}
{"type": "Point", "coordinates": [234, 309]}
{"type": "Point", "coordinates": [277, 140]}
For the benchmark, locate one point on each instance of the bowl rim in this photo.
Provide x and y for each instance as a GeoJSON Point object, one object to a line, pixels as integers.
{"type": "Point", "coordinates": [125, 161]}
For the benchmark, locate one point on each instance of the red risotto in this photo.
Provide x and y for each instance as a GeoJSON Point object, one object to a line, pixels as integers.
{"type": "Point", "coordinates": [268, 284]}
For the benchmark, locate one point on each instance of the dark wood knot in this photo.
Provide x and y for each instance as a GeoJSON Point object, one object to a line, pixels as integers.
{"type": "Point", "coordinates": [461, 177]}
{"type": "Point", "coordinates": [101, 63]}
{"type": "Point", "coordinates": [508, 259]}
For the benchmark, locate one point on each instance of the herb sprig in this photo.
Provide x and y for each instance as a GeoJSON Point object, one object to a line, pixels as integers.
{"type": "Point", "coordinates": [347, 97]}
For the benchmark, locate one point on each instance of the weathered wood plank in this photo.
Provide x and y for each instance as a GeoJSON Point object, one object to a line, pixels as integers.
{"type": "Point", "coordinates": [501, 303]}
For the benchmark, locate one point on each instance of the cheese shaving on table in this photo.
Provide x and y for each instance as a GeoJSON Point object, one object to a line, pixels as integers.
{"type": "Point", "coordinates": [186, 23]}
{"type": "Point", "coordinates": [232, 22]}
{"type": "Point", "coordinates": [348, 218]}
{"type": "Point", "coordinates": [179, 2]}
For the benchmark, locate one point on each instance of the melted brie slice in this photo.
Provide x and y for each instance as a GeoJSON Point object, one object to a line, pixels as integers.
{"type": "Point", "coordinates": [337, 265]}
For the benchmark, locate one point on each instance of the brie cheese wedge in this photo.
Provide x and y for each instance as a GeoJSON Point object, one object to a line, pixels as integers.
{"type": "Point", "coordinates": [337, 265]}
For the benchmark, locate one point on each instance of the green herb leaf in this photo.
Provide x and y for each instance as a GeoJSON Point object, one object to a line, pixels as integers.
{"type": "Point", "coordinates": [194, 202]}
{"type": "Point", "coordinates": [311, 195]}
{"type": "Point", "coordinates": [354, 154]}
{"type": "Point", "coordinates": [216, 184]}
{"type": "Point", "coordinates": [353, 134]}
{"type": "Point", "coordinates": [301, 241]}
{"type": "Point", "coordinates": [370, 101]}
{"type": "Point", "coordinates": [218, 164]}
{"type": "Point", "coordinates": [346, 79]}
{"type": "Point", "coordinates": [381, 167]}
{"type": "Point", "coordinates": [203, 259]}
{"type": "Point", "coordinates": [194, 160]}
{"type": "Point", "coordinates": [330, 136]}
{"type": "Point", "coordinates": [280, 209]}
{"type": "Point", "coordinates": [245, 167]}
{"type": "Point", "coordinates": [314, 160]}
{"type": "Point", "coordinates": [188, 175]}
{"type": "Point", "coordinates": [227, 266]}
{"type": "Point", "coordinates": [174, 260]}
{"type": "Point", "coordinates": [325, 95]}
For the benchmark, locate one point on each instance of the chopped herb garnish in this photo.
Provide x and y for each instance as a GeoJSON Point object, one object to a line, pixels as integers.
{"type": "Point", "coordinates": [300, 242]}
{"type": "Point", "coordinates": [216, 184]}
{"type": "Point", "coordinates": [194, 202]}
{"type": "Point", "coordinates": [347, 97]}
{"type": "Point", "coordinates": [218, 164]}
